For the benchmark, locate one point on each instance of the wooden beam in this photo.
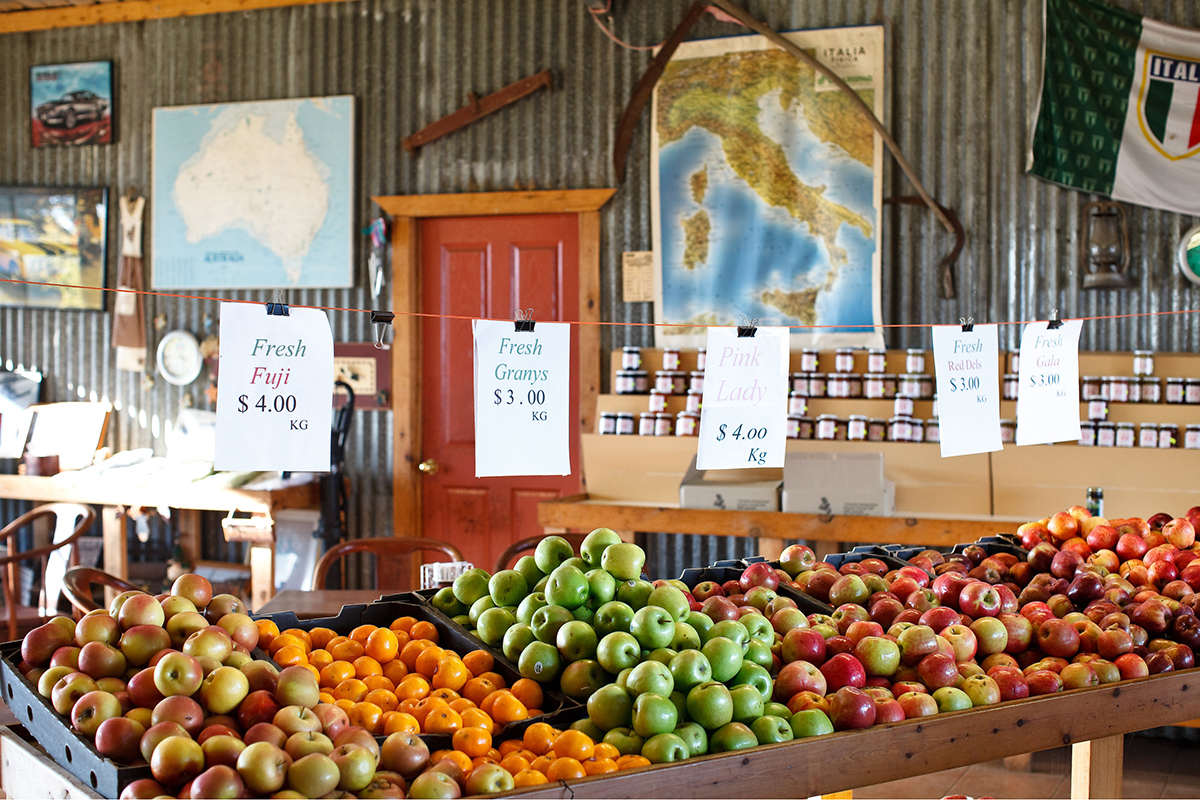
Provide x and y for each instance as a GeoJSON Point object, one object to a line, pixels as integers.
{"type": "Point", "coordinates": [133, 11]}
{"type": "Point", "coordinates": [478, 108]}
{"type": "Point", "coordinates": [406, 376]}
{"type": "Point", "coordinates": [589, 311]}
{"type": "Point", "coordinates": [1096, 768]}
{"type": "Point", "coordinates": [485, 204]}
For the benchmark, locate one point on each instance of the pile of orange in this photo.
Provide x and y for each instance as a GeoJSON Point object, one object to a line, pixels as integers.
{"type": "Point", "coordinates": [397, 679]}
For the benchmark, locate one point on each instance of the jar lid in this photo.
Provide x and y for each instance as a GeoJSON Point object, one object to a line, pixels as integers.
{"type": "Point", "coordinates": [696, 392]}
{"type": "Point", "coordinates": [688, 414]}
{"type": "Point", "coordinates": [629, 373]}
{"type": "Point", "coordinates": [634, 347]}
{"type": "Point", "coordinates": [1143, 352]}
{"type": "Point", "coordinates": [916, 421]}
{"type": "Point", "coordinates": [1090, 378]}
{"type": "Point", "coordinates": [1004, 422]}
{"type": "Point", "coordinates": [663, 415]}
{"type": "Point", "coordinates": [670, 349]}
{"type": "Point", "coordinates": [796, 417]}
{"type": "Point", "coordinates": [1107, 424]}
{"type": "Point", "coordinates": [794, 393]}
{"type": "Point", "coordinates": [645, 414]}
{"type": "Point", "coordinates": [826, 416]}
{"type": "Point", "coordinates": [1174, 380]}
{"type": "Point", "coordinates": [913, 376]}
{"type": "Point", "coordinates": [661, 372]}
{"type": "Point", "coordinates": [916, 350]}
{"type": "Point", "coordinates": [701, 349]}
{"type": "Point", "coordinates": [697, 372]}
{"type": "Point", "coordinates": [806, 419]}
{"type": "Point", "coordinates": [1152, 425]}
{"type": "Point", "coordinates": [933, 421]}
{"type": "Point", "coordinates": [612, 414]}
{"type": "Point", "coordinates": [1193, 380]}
{"type": "Point", "coordinates": [659, 391]}
{"type": "Point", "coordinates": [1193, 427]}
{"type": "Point", "coordinates": [876, 350]}
{"type": "Point", "coordinates": [1124, 424]}
{"type": "Point", "coordinates": [810, 350]}
{"type": "Point", "coordinates": [899, 419]}
{"type": "Point", "coordinates": [627, 414]}
{"type": "Point", "coordinates": [845, 350]}
{"type": "Point", "coordinates": [874, 420]}
{"type": "Point", "coordinates": [854, 417]}
{"type": "Point", "coordinates": [1162, 425]}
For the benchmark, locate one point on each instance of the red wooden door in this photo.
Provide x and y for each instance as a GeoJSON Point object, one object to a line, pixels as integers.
{"type": "Point", "coordinates": [487, 267]}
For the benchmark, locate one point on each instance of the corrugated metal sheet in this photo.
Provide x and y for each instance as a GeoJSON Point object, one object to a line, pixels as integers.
{"type": "Point", "coordinates": [962, 78]}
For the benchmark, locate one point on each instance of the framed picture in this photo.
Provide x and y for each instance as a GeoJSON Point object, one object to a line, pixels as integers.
{"type": "Point", "coordinates": [53, 235]}
{"type": "Point", "coordinates": [71, 104]}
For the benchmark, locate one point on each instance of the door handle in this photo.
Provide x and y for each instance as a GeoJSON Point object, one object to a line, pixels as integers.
{"type": "Point", "coordinates": [429, 466]}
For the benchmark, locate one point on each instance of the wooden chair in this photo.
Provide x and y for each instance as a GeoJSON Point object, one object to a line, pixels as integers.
{"type": "Point", "coordinates": [78, 582]}
{"type": "Point", "coordinates": [390, 546]}
{"type": "Point", "coordinates": [70, 522]}
{"type": "Point", "coordinates": [529, 545]}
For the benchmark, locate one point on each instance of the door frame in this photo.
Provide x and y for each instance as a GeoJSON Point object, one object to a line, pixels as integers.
{"type": "Point", "coordinates": [407, 211]}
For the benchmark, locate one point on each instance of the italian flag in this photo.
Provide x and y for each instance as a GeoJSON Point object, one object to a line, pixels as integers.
{"type": "Point", "coordinates": [1119, 112]}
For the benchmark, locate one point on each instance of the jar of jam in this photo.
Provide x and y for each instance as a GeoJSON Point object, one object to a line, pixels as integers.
{"type": "Point", "coordinates": [670, 358]}
{"type": "Point", "coordinates": [1143, 362]}
{"type": "Point", "coordinates": [797, 404]}
{"type": "Point", "coordinates": [658, 400]}
{"type": "Point", "coordinates": [900, 429]}
{"type": "Point", "coordinates": [877, 430]}
{"type": "Point", "coordinates": [838, 384]}
{"type": "Point", "coordinates": [1097, 409]}
{"type": "Point", "coordinates": [1175, 387]}
{"type": "Point", "coordinates": [1191, 437]}
{"type": "Point", "coordinates": [792, 427]}
{"type": "Point", "coordinates": [701, 358]}
{"type": "Point", "coordinates": [809, 358]}
{"type": "Point", "coordinates": [909, 385]}
{"type": "Point", "coordinates": [856, 428]}
{"type": "Point", "coordinates": [1135, 389]}
{"type": "Point", "coordinates": [1126, 434]}
{"type": "Point", "coordinates": [1106, 434]}
{"type": "Point", "coordinates": [889, 386]}
{"type": "Point", "coordinates": [1118, 389]}
{"type": "Point", "coordinates": [687, 423]}
{"type": "Point", "coordinates": [664, 424]}
{"type": "Point", "coordinates": [873, 386]}
{"type": "Point", "coordinates": [926, 387]}
{"type": "Point", "coordinates": [800, 383]}
{"type": "Point", "coordinates": [1191, 391]}
{"type": "Point", "coordinates": [876, 360]}
{"type": "Point", "coordinates": [918, 431]}
{"type": "Point", "coordinates": [827, 426]}
{"type": "Point", "coordinates": [625, 425]}
{"type": "Point", "coordinates": [933, 430]}
{"type": "Point", "coordinates": [1168, 435]}
{"type": "Point", "coordinates": [914, 361]}
{"type": "Point", "coordinates": [696, 381]}
{"type": "Point", "coordinates": [902, 406]}
{"type": "Point", "coordinates": [854, 382]}
{"type": "Point", "coordinates": [843, 360]}
{"type": "Point", "coordinates": [1087, 433]}
{"type": "Point", "coordinates": [1148, 435]}
{"type": "Point", "coordinates": [646, 423]}
{"type": "Point", "coordinates": [631, 357]}
{"type": "Point", "coordinates": [1151, 389]}
{"type": "Point", "coordinates": [663, 382]}
{"type": "Point", "coordinates": [806, 428]}
{"type": "Point", "coordinates": [1008, 431]}
{"type": "Point", "coordinates": [608, 423]}
{"type": "Point", "coordinates": [1089, 387]}
{"type": "Point", "coordinates": [694, 400]}
{"type": "Point", "coordinates": [935, 407]}
{"type": "Point", "coordinates": [1012, 385]}
{"type": "Point", "coordinates": [817, 384]}
{"type": "Point", "coordinates": [1014, 361]}
{"type": "Point", "coordinates": [628, 380]}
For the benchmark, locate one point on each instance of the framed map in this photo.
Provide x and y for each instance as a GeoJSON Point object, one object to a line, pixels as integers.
{"type": "Point", "coordinates": [766, 189]}
{"type": "Point", "coordinates": [254, 195]}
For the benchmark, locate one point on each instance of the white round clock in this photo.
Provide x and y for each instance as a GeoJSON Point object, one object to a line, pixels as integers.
{"type": "Point", "coordinates": [179, 359]}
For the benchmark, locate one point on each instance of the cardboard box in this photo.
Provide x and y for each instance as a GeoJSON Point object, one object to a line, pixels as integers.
{"type": "Point", "coordinates": [730, 489]}
{"type": "Point", "coordinates": [837, 484]}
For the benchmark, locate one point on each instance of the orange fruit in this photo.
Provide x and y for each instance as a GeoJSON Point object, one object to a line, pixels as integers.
{"type": "Point", "coordinates": [479, 661]}
{"type": "Point", "coordinates": [528, 777]}
{"type": "Point", "coordinates": [606, 750]}
{"type": "Point", "coordinates": [494, 677]}
{"type": "Point", "coordinates": [424, 707]}
{"type": "Point", "coordinates": [403, 624]}
{"type": "Point", "coordinates": [326, 697]}
{"type": "Point", "coordinates": [473, 716]}
{"type": "Point", "coordinates": [477, 689]}
{"type": "Point", "coordinates": [350, 689]}
{"type": "Point", "coordinates": [315, 672]}
{"type": "Point", "coordinates": [361, 633]}
{"type": "Point", "coordinates": [574, 744]}
{"type": "Point", "coordinates": [382, 645]}
{"type": "Point", "coordinates": [285, 639]}
{"type": "Point", "coordinates": [344, 704]}
{"type": "Point", "coordinates": [345, 650]}
{"type": "Point", "coordinates": [320, 658]}
{"type": "Point", "coordinates": [539, 737]}
{"type": "Point", "coordinates": [267, 630]}
{"type": "Point", "coordinates": [450, 673]}
{"type": "Point", "coordinates": [383, 698]}
{"type": "Point", "coordinates": [445, 694]}
{"type": "Point", "coordinates": [461, 759]}
{"type": "Point", "coordinates": [400, 722]}
{"type": "Point", "coordinates": [508, 708]}
{"type": "Point", "coordinates": [508, 746]}
{"type": "Point", "coordinates": [528, 692]}
{"type": "Point", "coordinates": [427, 661]}
{"type": "Point", "coordinates": [302, 635]}
{"type": "Point", "coordinates": [514, 763]}
{"type": "Point", "coordinates": [374, 682]}
{"type": "Point", "coordinates": [424, 630]}
{"type": "Point", "coordinates": [408, 706]}
{"type": "Point", "coordinates": [599, 766]}
{"type": "Point", "coordinates": [475, 742]}
{"type": "Point", "coordinates": [289, 655]}
{"type": "Point", "coordinates": [321, 636]}
{"type": "Point", "coordinates": [365, 667]}
{"type": "Point", "coordinates": [459, 704]}
{"type": "Point", "coordinates": [632, 762]}
{"type": "Point", "coordinates": [339, 638]}
{"type": "Point", "coordinates": [493, 754]}
{"type": "Point", "coordinates": [489, 702]}
{"type": "Point", "coordinates": [368, 716]}
{"type": "Point", "coordinates": [395, 671]}
{"type": "Point", "coordinates": [481, 760]}
{"type": "Point", "coordinates": [335, 673]}
{"type": "Point", "coordinates": [442, 719]}
{"type": "Point", "coordinates": [563, 769]}
{"type": "Point", "coordinates": [414, 687]}
{"type": "Point", "coordinates": [541, 764]}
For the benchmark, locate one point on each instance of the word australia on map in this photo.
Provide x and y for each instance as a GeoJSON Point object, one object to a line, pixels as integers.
{"type": "Point", "coordinates": [767, 189]}
{"type": "Point", "coordinates": [254, 195]}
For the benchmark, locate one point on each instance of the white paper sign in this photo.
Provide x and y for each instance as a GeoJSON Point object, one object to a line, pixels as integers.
{"type": "Point", "coordinates": [967, 370]}
{"type": "Point", "coordinates": [522, 399]}
{"type": "Point", "coordinates": [1048, 400]}
{"type": "Point", "coordinates": [744, 416]}
{"type": "Point", "coordinates": [274, 407]}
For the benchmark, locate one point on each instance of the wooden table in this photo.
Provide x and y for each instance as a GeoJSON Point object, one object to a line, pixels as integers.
{"type": "Point", "coordinates": [188, 498]}
{"type": "Point", "coordinates": [770, 527]}
{"type": "Point", "coordinates": [322, 603]}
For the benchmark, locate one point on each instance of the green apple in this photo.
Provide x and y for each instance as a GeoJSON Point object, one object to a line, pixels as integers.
{"type": "Point", "coordinates": [610, 707]}
{"type": "Point", "coordinates": [690, 668]}
{"type": "Point", "coordinates": [776, 710]}
{"type": "Point", "coordinates": [445, 602]}
{"type": "Point", "coordinates": [623, 677]}
{"type": "Point", "coordinates": [576, 562]}
{"type": "Point", "coordinates": [551, 552]}
{"type": "Point", "coordinates": [753, 675]}
{"type": "Point", "coordinates": [634, 593]}
{"type": "Point", "coordinates": [759, 628]}
{"type": "Point", "coordinates": [479, 606]}
{"type": "Point", "coordinates": [759, 653]}
{"type": "Point", "coordinates": [593, 731]}
{"type": "Point", "coordinates": [768, 730]}
{"type": "Point", "coordinates": [540, 662]}
{"type": "Point", "coordinates": [546, 622]}
{"type": "Point", "coordinates": [663, 748]}
{"type": "Point", "coordinates": [694, 736]}
{"type": "Point", "coordinates": [662, 655]}
{"type": "Point", "coordinates": [568, 587]}
{"type": "Point", "coordinates": [685, 638]}
{"type": "Point", "coordinates": [672, 600]}
{"type": "Point", "coordinates": [493, 624]}
{"type": "Point", "coordinates": [595, 543]}
{"type": "Point", "coordinates": [810, 722]}
{"type": "Point", "coordinates": [470, 586]}
{"type": "Point", "coordinates": [747, 704]}
{"type": "Point", "coordinates": [624, 561]}
{"type": "Point", "coordinates": [540, 586]}
{"type": "Point", "coordinates": [650, 676]}
{"type": "Point", "coordinates": [581, 679]}
{"type": "Point", "coordinates": [602, 587]}
{"type": "Point", "coordinates": [461, 619]}
{"type": "Point", "coordinates": [576, 641]}
{"type": "Point", "coordinates": [529, 606]}
{"type": "Point", "coordinates": [653, 714]}
{"type": "Point", "coordinates": [653, 627]}
{"type": "Point", "coordinates": [529, 570]}
{"type": "Point", "coordinates": [516, 639]}
{"type": "Point", "coordinates": [702, 623]}
{"type": "Point", "coordinates": [730, 629]}
{"type": "Point", "coordinates": [950, 699]}
{"type": "Point", "coordinates": [625, 739]}
{"type": "Point", "coordinates": [612, 616]}
{"type": "Point", "coordinates": [710, 705]}
{"type": "Point", "coordinates": [680, 701]}
{"type": "Point", "coordinates": [584, 614]}
{"type": "Point", "coordinates": [734, 736]}
{"type": "Point", "coordinates": [508, 587]}
{"type": "Point", "coordinates": [724, 656]}
{"type": "Point", "coordinates": [618, 651]}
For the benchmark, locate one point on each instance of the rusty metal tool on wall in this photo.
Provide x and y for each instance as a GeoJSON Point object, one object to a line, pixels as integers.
{"type": "Point", "coordinates": [478, 108]}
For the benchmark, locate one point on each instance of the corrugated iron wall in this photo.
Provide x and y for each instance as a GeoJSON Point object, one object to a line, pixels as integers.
{"type": "Point", "coordinates": [962, 76]}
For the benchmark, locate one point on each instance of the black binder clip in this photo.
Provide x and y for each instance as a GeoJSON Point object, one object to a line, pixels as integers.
{"type": "Point", "coordinates": [968, 324]}
{"type": "Point", "coordinates": [747, 327]}
{"type": "Point", "coordinates": [1055, 323]}
{"type": "Point", "coordinates": [277, 308]}
{"type": "Point", "coordinates": [524, 322]}
{"type": "Point", "coordinates": [381, 319]}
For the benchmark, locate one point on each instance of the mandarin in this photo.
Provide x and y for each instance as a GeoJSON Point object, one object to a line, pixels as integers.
{"type": "Point", "coordinates": [442, 719]}
{"type": "Point", "coordinates": [479, 661]}
{"type": "Point", "coordinates": [528, 777]}
{"type": "Point", "coordinates": [528, 692]}
{"type": "Point", "coordinates": [565, 768]}
{"type": "Point", "coordinates": [508, 708]}
{"type": "Point", "coordinates": [382, 645]}
{"type": "Point", "coordinates": [475, 742]}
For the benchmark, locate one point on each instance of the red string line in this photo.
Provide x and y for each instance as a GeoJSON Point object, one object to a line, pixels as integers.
{"type": "Point", "coordinates": [574, 322]}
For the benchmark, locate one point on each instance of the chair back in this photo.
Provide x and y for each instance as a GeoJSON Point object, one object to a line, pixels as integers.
{"type": "Point", "coordinates": [382, 548]}
{"type": "Point", "coordinates": [71, 521]}
{"type": "Point", "coordinates": [78, 582]}
{"type": "Point", "coordinates": [509, 556]}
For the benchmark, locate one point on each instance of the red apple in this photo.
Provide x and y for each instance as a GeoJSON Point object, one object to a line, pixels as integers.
{"type": "Point", "coordinates": [797, 677]}
{"type": "Point", "coordinates": [1057, 637]}
{"type": "Point", "coordinates": [851, 709]}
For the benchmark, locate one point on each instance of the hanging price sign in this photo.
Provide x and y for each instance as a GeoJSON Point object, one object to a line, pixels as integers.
{"type": "Point", "coordinates": [1048, 400]}
{"type": "Point", "coordinates": [522, 399]}
{"type": "Point", "coordinates": [966, 364]}
{"type": "Point", "coordinates": [742, 422]}
{"type": "Point", "coordinates": [273, 402]}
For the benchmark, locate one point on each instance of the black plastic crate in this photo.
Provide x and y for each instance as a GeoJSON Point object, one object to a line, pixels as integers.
{"type": "Point", "coordinates": [1000, 543]}
{"type": "Point", "coordinates": [858, 554]}
{"type": "Point", "coordinates": [806, 603]}
{"type": "Point", "coordinates": [72, 752]}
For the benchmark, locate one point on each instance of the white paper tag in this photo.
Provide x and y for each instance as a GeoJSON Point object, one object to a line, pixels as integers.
{"type": "Point", "coordinates": [274, 407]}
{"type": "Point", "coordinates": [967, 369]}
{"type": "Point", "coordinates": [1048, 402]}
{"type": "Point", "coordinates": [744, 417]}
{"type": "Point", "coordinates": [522, 399]}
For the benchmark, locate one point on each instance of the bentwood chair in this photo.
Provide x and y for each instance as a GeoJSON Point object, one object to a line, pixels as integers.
{"type": "Point", "coordinates": [386, 549]}
{"type": "Point", "coordinates": [509, 556]}
{"type": "Point", "coordinates": [78, 582]}
{"type": "Point", "coordinates": [71, 520]}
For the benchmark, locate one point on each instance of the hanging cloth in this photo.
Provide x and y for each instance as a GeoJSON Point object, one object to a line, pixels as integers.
{"type": "Point", "coordinates": [129, 320]}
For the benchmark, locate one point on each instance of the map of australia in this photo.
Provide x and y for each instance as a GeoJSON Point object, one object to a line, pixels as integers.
{"type": "Point", "coordinates": [768, 187]}
{"type": "Point", "coordinates": [253, 195]}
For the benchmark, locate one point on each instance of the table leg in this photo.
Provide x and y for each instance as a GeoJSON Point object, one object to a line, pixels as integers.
{"type": "Point", "coordinates": [262, 574]}
{"type": "Point", "coordinates": [1096, 768]}
{"type": "Point", "coordinates": [189, 534]}
{"type": "Point", "coordinates": [116, 547]}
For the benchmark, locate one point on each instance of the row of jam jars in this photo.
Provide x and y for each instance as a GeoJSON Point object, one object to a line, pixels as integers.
{"type": "Point", "coordinates": [631, 358]}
